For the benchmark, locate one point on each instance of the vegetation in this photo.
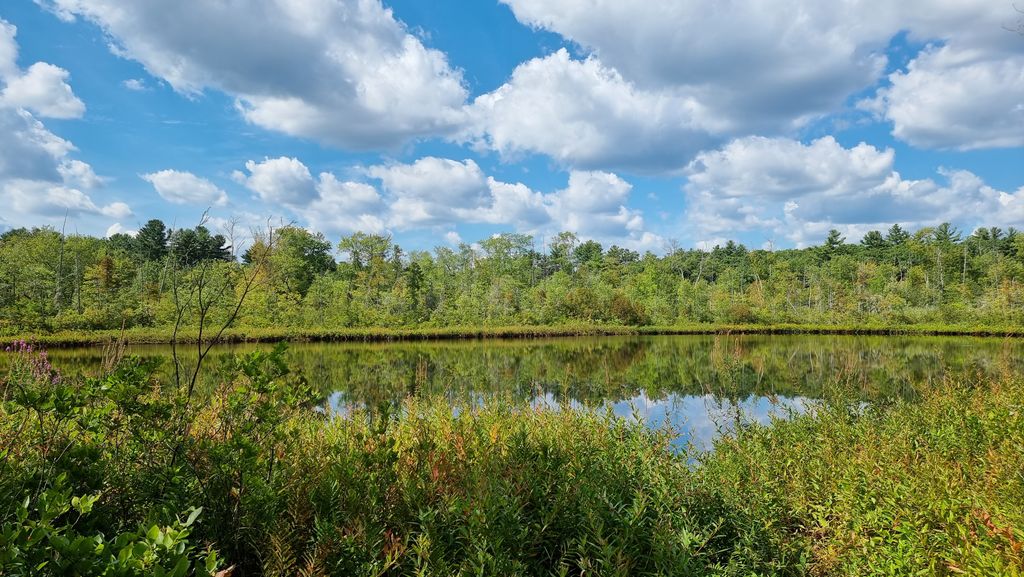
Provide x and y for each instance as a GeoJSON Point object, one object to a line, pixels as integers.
{"type": "Point", "coordinates": [931, 279]}
{"type": "Point", "coordinates": [126, 475]}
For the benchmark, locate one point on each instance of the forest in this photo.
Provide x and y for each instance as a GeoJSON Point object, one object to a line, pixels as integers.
{"type": "Point", "coordinates": [290, 277]}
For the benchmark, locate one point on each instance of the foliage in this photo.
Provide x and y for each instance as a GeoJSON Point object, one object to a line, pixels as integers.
{"type": "Point", "coordinates": [931, 487]}
{"type": "Point", "coordinates": [52, 282]}
{"type": "Point", "coordinates": [42, 539]}
{"type": "Point", "coordinates": [115, 470]}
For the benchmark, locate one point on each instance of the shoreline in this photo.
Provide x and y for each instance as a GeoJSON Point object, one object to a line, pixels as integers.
{"type": "Point", "coordinates": [252, 335]}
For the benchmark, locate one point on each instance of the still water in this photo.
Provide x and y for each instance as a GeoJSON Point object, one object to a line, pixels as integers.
{"type": "Point", "coordinates": [698, 385]}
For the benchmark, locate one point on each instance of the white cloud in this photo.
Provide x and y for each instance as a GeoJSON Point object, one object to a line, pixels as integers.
{"type": "Point", "coordinates": [453, 238]}
{"type": "Point", "coordinates": [43, 89]}
{"type": "Point", "coordinates": [8, 49]}
{"type": "Point", "coordinates": [135, 84]}
{"type": "Point", "coordinates": [515, 204]}
{"type": "Point", "coordinates": [116, 210]}
{"type": "Point", "coordinates": [666, 79]}
{"type": "Point", "coordinates": [279, 180]}
{"type": "Point", "coordinates": [326, 203]}
{"type": "Point", "coordinates": [784, 189]}
{"type": "Point", "coordinates": [180, 187]}
{"type": "Point", "coordinates": [584, 114]}
{"type": "Point", "coordinates": [38, 179]}
{"type": "Point", "coordinates": [594, 205]}
{"type": "Point", "coordinates": [437, 192]}
{"type": "Point", "coordinates": [951, 97]}
{"type": "Point", "coordinates": [767, 65]}
{"type": "Point", "coordinates": [53, 200]}
{"type": "Point", "coordinates": [344, 72]}
{"type": "Point", "coordinates": [344, 207]}
{"type": "Point", "coordinates": [117, 228]}
{"type": "Point", "coordinates": [431, 191]}
{"type": "Point", "coordinates": [79, 174]}
{"type": "Point", "coordinates": [27, 149]}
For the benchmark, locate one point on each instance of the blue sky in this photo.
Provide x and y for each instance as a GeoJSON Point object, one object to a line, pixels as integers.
{"type": "Point", "coordinates": [630, 122]}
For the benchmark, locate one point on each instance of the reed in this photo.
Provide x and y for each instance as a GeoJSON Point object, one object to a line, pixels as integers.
{"type": "Point", "coordinates": [257, 479]}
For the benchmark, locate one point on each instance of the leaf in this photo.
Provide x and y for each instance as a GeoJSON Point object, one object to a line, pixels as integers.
{"type": "Point", "coordinates": [181, 568]}
{"type": "Point", "coordinates": [192, 516]}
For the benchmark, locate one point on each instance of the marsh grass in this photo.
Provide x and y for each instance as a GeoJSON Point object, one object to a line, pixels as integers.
{"type": "Point", "coordinates": [276, 487]}
{"type": "Point", "coordinates": [245, 334]}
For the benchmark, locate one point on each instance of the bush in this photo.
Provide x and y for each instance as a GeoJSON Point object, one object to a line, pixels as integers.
{"type": "Point", "coordinates": [107, 476]}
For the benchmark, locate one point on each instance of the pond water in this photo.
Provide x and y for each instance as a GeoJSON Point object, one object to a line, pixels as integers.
{"type": "Point", "coordinates": [698, 385]}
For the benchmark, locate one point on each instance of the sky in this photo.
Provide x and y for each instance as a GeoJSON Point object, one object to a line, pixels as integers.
{"type": "Point", "coordinates": [637, 123]}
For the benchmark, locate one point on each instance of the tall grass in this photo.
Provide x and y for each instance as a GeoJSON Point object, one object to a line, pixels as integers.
{"type": "Point", "coordinates": [243, 334]}
{"type": "Point", "coordinates": [274, 486]}
{"type": "Point", "coordinates": [932, 487]}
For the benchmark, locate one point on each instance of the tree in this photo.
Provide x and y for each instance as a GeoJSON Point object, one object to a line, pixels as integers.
{"type": "Point", "coordinates": [946, 234]}
{"type": "Point", "coordinates": [363, 249]}
{"type": "Point", "coordinates": [897, 236]}
{"type": "Point", "coordinates": [560, 252]}
{"type": "Point", "coordinates": [833, 244]}
{"type": "Point", "coordinates": [151, 241]}
{"type": "Point", "coordinates": [297, 259]}
{"type": "Point", "coordinates": [874, 244]}
{"type": "Point", "coordinates": [190, 246]}
{"type": "Point", "coordinates": [123, 244]}
{"type": "Point", "coordinates": [589, 252]}
{"type": "Point", "coordinates": [621, 256]}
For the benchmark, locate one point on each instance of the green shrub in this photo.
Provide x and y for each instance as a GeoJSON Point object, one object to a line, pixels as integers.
{"type": "Point", "coordinates": [97, 474]}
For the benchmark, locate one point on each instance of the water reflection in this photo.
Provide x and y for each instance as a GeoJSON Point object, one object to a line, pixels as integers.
{"type": "Point", "coordinates": [699, 385]}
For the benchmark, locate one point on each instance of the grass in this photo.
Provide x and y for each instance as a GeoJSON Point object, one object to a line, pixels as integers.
{"type": "Point", "coordinates": [931, 487]}
{"type": "Point", "coordinates": [928, 487]}
{"type": "Point", "coordinates": [380, 334]}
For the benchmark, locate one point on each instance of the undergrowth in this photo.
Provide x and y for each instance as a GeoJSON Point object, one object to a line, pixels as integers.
{"type": "Point", "coordinates": [124, 475]}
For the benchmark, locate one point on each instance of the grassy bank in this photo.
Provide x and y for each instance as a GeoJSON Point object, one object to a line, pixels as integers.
{"type": "Point", "coordinates": [114, 476]}
{"type": "Point", "coordinates": [255, 335]}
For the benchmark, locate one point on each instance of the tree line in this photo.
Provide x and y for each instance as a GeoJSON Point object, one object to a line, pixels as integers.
{"type": "Point", "coordinates": [50, 281]}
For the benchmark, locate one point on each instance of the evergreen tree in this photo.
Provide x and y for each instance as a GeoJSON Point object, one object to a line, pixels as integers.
{"type": "Point", "coordinates": [897, 236]}
{"type": "Point", "coordinates": [151, 242]}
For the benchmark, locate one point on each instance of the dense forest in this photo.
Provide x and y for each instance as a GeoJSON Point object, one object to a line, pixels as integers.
{"type": "Point", "coordinates": [293, 278]}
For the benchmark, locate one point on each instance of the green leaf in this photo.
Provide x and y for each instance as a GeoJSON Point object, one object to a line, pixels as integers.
{"type": "Point", "coordinates": [193, 516]}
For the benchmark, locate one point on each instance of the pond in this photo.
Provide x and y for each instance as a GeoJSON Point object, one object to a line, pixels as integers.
{"type": "Point", "coordinates": [698, 385]}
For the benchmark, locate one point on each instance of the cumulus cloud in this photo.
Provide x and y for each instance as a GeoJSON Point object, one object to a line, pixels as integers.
{"type": "Point", "coordinates": [326, 203]}
{"type": "Point", "coordinates": [8, 49]}
{"type": "Point", "coordinates": [344, 72]}
{"type": "Point", "coordinates": [584, 114]}
{"type": "Point", "coordinates": [438, 194]}
{"type": "Point", "coordinates": [79, 174]}
{"type": "Point", "coordinates": [180, 187]}
{"type": "Point", "coordinates": [281, 180]}
{"type": "Point", "coordinates": [785, 189]}
{"type": "Point", "coordinates": [763, 65]}
{"type": "Point", "coordinates": [117, 228]}
{"type": "Point", "coordinates": [48, 199]}
{"type": "Point", "coordinates": [953, 97]}
{"type": "Point", "coordinates": [27, 149]}
{"type": "Point", "coordinates": [344, 207]}
{"type": "Point", "coordinates": [594, 205]}
{"type": "Point", "coordinates": [43, 89]}
{"type": "Point", "coordinates": [453, 238]}
{"type": "Point", "coordinates": [116, 210]}
{"type": "Point", "coordinates": [37, 176]}
{"type": "Point", "coordinates": [135, 84]}
{"type": "Point", "coordinates": [664, 80]}
{"type": "Point", "coordinates": [433, 192]}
